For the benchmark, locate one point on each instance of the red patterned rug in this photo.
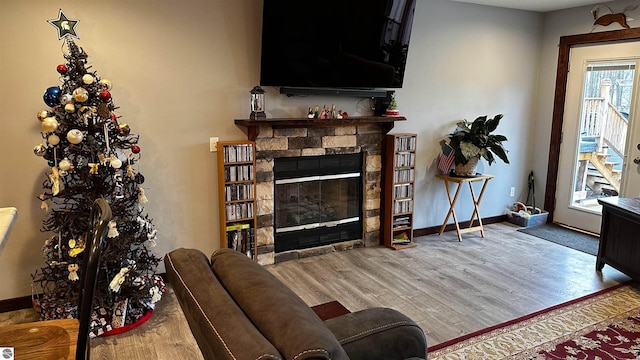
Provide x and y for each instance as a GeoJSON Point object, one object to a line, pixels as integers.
{"type": "Point", "coordinates": [601, 326]}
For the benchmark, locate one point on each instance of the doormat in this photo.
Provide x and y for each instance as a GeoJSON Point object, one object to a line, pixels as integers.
{"type": "Point", "coordinates": [566, 237]}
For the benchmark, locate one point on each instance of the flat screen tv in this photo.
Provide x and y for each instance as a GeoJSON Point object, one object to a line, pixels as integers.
{"type": "Point", "coordinates": [348, 44]}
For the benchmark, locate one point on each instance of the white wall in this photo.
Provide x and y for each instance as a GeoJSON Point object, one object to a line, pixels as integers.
{"type": "Point", "coordinates": [182, 72]}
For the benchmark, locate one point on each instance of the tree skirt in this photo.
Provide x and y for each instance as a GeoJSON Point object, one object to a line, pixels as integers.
{"type": "Point", "coordinates": [603, 325]}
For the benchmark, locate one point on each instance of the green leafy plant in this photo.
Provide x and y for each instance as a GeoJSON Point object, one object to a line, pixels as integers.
{"type": "Point", "coordinates": [474, 139]}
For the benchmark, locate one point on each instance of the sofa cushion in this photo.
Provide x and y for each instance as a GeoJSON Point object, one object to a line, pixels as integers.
{"type": "Point", "coordinates": [219, 326]}
{"type": "Point", "coordinates": [282, 317]}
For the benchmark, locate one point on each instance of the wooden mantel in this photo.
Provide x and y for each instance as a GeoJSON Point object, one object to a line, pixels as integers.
{"type": "Point", "coordinates": [253, 126]}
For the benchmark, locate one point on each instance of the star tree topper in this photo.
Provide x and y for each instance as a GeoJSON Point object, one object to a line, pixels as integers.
{"type": "Point", "coordinates": [66, 27]}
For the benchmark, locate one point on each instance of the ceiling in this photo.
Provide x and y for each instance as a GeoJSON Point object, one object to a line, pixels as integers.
{"type": "Point", "coordinates": [536, 5]}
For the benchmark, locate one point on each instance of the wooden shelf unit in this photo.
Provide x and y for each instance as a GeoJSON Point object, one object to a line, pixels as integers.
{"type": "Point", "coordinates": [236, 194]}
{"type": "Point", "coordinates": [399, 180]}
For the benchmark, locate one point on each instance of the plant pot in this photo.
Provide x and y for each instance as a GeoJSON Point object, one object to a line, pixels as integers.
{"type": "Point", "coordinates": [468, 169]}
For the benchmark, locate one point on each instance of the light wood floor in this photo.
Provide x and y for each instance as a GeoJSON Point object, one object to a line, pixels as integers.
{"type": "Point", "coordinates": [449, 288]}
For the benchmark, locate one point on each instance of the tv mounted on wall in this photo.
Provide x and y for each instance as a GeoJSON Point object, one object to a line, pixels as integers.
{"type": "Point", "coordinates": [335, 46]}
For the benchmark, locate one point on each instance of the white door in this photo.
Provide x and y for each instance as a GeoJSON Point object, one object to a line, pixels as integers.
{"type": "Point", "coordinates": [599, 137]}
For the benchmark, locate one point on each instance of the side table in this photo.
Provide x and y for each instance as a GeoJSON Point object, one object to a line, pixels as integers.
{"type": "Point", "coordinates": [476, 201]}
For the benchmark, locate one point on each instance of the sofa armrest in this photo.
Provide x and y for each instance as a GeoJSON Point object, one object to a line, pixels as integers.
{"type": "Point", "coordinates": [379, 333]}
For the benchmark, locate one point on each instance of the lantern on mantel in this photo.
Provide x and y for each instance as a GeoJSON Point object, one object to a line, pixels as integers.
{"type": "Point", "coordinates": [257, 104]}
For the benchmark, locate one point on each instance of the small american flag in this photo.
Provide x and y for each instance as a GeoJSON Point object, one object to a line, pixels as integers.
{"type": "Point", "coordinates": [446, 159]}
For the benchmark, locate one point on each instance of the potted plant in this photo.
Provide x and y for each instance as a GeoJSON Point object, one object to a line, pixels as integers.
{"type": "Point", "coordinates": [474, 139]}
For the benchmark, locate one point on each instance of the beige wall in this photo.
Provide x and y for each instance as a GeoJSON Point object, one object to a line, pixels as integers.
{"type": "Point", "coordinates": [182, 72]}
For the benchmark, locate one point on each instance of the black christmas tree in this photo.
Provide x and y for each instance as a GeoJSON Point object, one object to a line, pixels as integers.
{"type": "Point", "coordinates": [92, 154]}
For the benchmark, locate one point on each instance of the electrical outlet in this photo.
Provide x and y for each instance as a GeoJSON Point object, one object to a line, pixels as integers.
{"type": "Point", "coordinates": [513, 191]}
{"type": "Point", "coordinates": [213, 144]}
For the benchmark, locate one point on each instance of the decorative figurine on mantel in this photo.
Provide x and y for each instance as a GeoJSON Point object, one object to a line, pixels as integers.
{"type": "Point", "coordinates": [257, 104]}
{"type": "Point", "coordinates": [392, 109]}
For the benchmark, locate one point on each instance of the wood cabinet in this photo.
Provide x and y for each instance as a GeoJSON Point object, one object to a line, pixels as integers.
{"type": "Point", "coordinates": [398, 184]}
{"type": "Point", "coordinates": [619, 241]}
{"type": "Point", "coordinates": [236, 193]}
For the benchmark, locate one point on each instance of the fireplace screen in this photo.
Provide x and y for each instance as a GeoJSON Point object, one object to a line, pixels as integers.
{"type": "Point", "coordinates": [318, 200]}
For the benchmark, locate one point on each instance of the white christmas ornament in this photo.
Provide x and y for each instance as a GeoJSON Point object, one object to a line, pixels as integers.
{"type": "Point", "coordinates": [118, 279]}
{"type": "Point", "coordinates": [53, 139]}
{"type": "Point", "coordinates": [65, 165]}
{"type": "Point", "coordinates": [113, 230]}
{"type": "Point", "coordinates": [73, 272]}
{"type": "Point", "coordinates": [75, 136]}
{"type": "Point", "coordinates": [116, 163]}
{"type": "Point", "coordinates": [105, 84]}
{"type": "Point", "coordinates": [88, 79]}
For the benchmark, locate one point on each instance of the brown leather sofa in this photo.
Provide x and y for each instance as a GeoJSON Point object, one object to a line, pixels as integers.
{"type": "Point", "coordinates": [236, 309]}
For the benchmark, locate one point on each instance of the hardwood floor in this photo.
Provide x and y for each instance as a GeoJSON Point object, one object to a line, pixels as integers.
{"type": "Point", "coordinates": [449, 288]}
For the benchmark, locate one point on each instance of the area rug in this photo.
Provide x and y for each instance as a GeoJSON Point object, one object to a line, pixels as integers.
{"type": "Point", "coordinates": [566, 237]}
{"type": "Point", "coordinates": [603, 325]}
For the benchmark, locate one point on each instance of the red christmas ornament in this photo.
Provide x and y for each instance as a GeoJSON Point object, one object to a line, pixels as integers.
{"type": "Point", "coordinates": [135, 149]}
{"type": "Point", "coordinates": [114, 119]}
{"type": "Point", "coordinates": [62, 69]}
{"type": "Point", "coordinates": [105, 95]}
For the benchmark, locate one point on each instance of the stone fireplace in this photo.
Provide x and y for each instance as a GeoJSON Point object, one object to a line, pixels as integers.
{"type": "Point", "coordinates": [295, 138]}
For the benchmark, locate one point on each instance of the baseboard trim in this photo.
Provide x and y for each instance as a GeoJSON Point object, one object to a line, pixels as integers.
{"type": "Point", "coordinates": [19, 303]}
{"type": "Point", "coordinates": [436, 229]}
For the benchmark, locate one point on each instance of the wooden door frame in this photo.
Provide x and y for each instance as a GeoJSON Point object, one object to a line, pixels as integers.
{"type": "Point", "coordinates": [564, 48]}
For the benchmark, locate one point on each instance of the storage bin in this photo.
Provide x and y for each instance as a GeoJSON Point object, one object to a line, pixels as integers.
{"type": "Point", "coordinates": [522, 220]}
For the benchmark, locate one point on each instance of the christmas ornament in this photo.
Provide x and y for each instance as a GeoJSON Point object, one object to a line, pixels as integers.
{"type": "Point", "coordinates": [124, 129]}
{"type": "Point", "coordinates": [43, 114]}
{"type": "Point", "coordinates": [73, 272]}
{"type": "Point", "coordinates": [93, 168]}
{"type": "Point", "coordinates": [62, 69]}
{"type": "Point", "coordinates": [51, 96]}
{"type": "Point", "coordinates": [139, 178]}
{"type": "Point", "coordinates": [142, 198]}
{"type": "Point", "coordinates": [117, 281]}
{"type": "Point", "coordinates": [53, 139]}
{"type": "Point", "coordinates": [55, 181]}
{"type": "Point", "coordinates": [104, 84]}
{"type": "Point", "coordinates": [69, 108]}
{"type": "Point", "coordinates": [103, 111]}
{"type": "Point", "coordinates": [135, 149]}
{"type": "Point", "coordinates": [75, 136]}
{"type": "Point", "coordinates": [113, 230]}
{"type": "Point", "coordinates": [114, 119]}
{"type": "Point", "coordinates": [105, 95]}
{"type": "Point", "coordinates": [66, 27]}
{"type": "Point", "coordinates": [88, 79]}
{"type": "Point", "coordinates": [65, 99]}
{"type": "Point", "coordinates": [75, 251]}
{"type": "Point", "coordinates": [115, 163]}
{"type": "Point", "coordinates": [65, 165]}
{"type": "Point", "coordinates": [50, 124]}
{"type": "Point", "coordinates": [81, 94]}
{"type": "Point", "coordinates": [40, 150]}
